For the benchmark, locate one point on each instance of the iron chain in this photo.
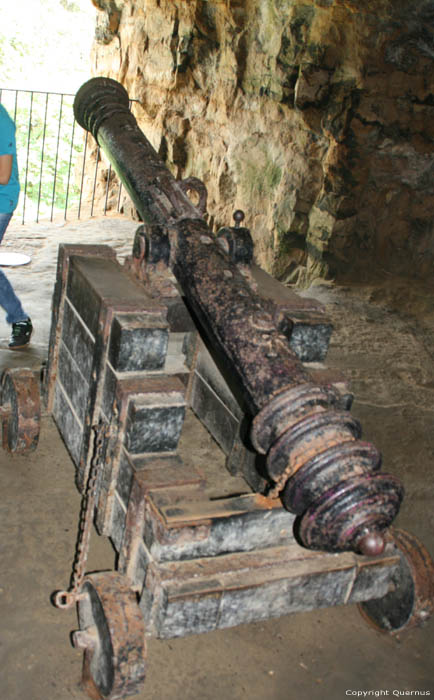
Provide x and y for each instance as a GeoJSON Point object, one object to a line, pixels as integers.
{"type": "Point", "coordinates": [65, 599]}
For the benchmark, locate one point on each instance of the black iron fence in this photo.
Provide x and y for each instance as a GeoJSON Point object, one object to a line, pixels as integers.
{"type": "Point", "coordinates": [62, 173]}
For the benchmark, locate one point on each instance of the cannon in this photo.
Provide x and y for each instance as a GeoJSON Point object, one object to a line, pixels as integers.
{"type": "Point", "coordinates": [210, 444]}
{"type": "Point", "coordinates": [314, 459]}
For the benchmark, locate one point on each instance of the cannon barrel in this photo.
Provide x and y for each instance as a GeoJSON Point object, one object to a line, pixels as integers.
{"type": "Point", "coordinates": [177, 233]}
{"type": "Point", "coordinates": [316, 461]}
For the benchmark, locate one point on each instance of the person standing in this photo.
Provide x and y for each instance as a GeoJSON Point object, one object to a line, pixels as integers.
{"type": "Point", "coordinates": [9, 192]}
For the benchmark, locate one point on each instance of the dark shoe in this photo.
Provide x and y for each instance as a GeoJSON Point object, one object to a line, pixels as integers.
{"type": "Point", "coordinates": [21, 334]}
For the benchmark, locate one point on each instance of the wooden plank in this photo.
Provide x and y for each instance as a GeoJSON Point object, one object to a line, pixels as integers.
{"type": "Point", "coordinates": [235, 568]}
{"type": "Point", "coordinates": [114, 286]}
{"type": "Point", "coordinates": [161, 472]}
{"type": "Point", "coordinates": [75, 386]}
{"type": "Point", "coordinates": [372, 576]}
{"type": "Point", "coordinates": [68, 424]}
{"type": "Point", "coordinates": [220, 508]}
{"type": "Point", "coordinates": [311, 331]}
{"type": "Point", "coordinates": [154, 422]}
{"type": "Point", "coordinates": [213, 413]}
{"type": "Point", "coordinates": [223, 386]}
{"type": "Point", "coordinates": [240, 532]}
{"type": "Point", "coordinates": [225, 591]}
{"type": "Point", "coordinates": [57, 307]}
{"type": "Point", "coordinates": [270, 288]}
{"type": "Point", "coordinates": [78, 340]}
{"type": "Point", "coordinates": [138, 342]}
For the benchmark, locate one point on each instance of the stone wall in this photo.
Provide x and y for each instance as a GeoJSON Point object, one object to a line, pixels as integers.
{"type": "Point", "coordinates": [313, 116]}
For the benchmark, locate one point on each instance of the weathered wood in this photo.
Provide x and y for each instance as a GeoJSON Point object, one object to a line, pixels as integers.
{"type": "Point", "coordinates": [145, 412]}
{"type": "Point", "coordinates": [67, 423]}
{"type": "Point", "coordinates": [77, 340]}
{"type": "Point", "coordinates": [309, 328]}
{"type": "Point", "coordinates": [222, 508]}
{"type": "Point", "coordinates": [138, 342]}
{"type": "Point", "coordinates": [154, 472]}
{"type": "Point", "coordinates": [211, 593]}
{"type": "Point", "coordinates": [73, 382]}
{"type": "Point", "coordinates": [107, 324]}
{"type": "Point", "coordinates": [214, 414]}
{"type": "Point", "coordinates": [57, 309]}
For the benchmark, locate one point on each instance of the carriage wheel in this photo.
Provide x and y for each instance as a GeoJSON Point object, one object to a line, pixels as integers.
{"type": "Point", "coordinates": [112, 634]}
{"type": "Point", "coordinates": [20, 410]}
{"type": "Point", "coordinates": [411, 602]}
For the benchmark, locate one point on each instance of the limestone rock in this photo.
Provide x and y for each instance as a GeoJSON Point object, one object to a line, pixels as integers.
{"type": "Point", "coordinates": [313, 116]}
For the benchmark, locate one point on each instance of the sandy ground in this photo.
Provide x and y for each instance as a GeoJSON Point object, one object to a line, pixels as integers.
{"type": "Point", "coordinates": [384, 339]}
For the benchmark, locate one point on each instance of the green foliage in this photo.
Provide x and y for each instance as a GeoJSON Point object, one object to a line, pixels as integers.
{"type": "Point", "coordinates": [48, 146]}
{"type": "Point", "coordinates": [46, 48]}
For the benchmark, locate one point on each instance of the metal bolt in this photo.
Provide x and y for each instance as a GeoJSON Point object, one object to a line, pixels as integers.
{"type": "Point", "coordinates": [85, 639]}
{"type": "Point", "coordinates": [238, 216]}
{"type": "Point", "coordinates": [372, 544]}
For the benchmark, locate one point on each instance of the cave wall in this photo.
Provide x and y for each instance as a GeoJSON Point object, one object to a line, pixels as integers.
{"type": "Point", "coordinates": [314, 117]}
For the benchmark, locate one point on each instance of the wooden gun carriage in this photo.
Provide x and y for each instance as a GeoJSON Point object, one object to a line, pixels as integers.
{"type": "Point", "coordinates": [211, 444]}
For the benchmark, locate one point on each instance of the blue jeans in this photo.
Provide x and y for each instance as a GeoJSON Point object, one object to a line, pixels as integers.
{"type": "Point", "coordinates": [8, 298]}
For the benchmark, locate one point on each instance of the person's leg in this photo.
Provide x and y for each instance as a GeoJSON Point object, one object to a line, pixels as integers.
{"type": "Point", "coordinates": [8, 299]}
{"type": "Point", "coordinates": [4, 221]}
{"type": "Point", "coordinates": [15, 315]}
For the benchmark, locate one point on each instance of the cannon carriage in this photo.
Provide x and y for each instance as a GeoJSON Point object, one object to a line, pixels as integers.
{"type": "Point", "coordinates": [285, 508]}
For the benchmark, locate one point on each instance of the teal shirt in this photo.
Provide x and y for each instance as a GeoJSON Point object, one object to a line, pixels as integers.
{"type": "Point", "coordinates": [8, 193]}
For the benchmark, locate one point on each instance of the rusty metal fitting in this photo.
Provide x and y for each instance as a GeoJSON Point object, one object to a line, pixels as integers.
{"type": "Point", "coordinates": [352, 458]}
{"type": "Point", "coordinates": [85, 639]}
{"type": "Point", "coordinates": [285, 409]}
{"type": "Point", "coordinates": [151, 245]}
{"type": "Point", "coordinates": [238, 216]}
{"type": "Point", "coordinates": [351, 512]}
{"type": "Point", "coordinates": [108, 98]}
{"type": "Point", "coordinates": [323, 472]}
{"type": "Point", "coordinates": [307, 437]}
{"type": "Point", "coordinates": [64, 599]}
{"type": "Point", "coordinates": [410, 600]}
{"type": "Point", "coordinates": [193, 184]}
{"type": "Point", "coordinates": [237, 241]}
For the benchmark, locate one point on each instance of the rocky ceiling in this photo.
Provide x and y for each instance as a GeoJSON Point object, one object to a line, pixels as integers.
{"type": "Point", "coordinates": [314, 117]}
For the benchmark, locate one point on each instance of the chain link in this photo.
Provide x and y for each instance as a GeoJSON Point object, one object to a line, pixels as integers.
{"type": "Point", "coordinates": [65, 599]}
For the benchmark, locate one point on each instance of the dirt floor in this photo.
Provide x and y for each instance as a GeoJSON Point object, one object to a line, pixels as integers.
{"type": "Point", "coordinates": [384, 341]}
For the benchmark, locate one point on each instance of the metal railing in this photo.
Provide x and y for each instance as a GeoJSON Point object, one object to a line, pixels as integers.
{"type": "Point", "coordinates": [62, 172]}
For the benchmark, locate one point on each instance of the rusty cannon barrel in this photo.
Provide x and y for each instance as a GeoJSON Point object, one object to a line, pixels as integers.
{"type": "Point", "coordinates": [316, 462]}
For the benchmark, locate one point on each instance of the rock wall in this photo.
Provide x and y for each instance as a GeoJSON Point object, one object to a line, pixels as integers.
{"type": "Point", "coordinates": [313, 116]}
